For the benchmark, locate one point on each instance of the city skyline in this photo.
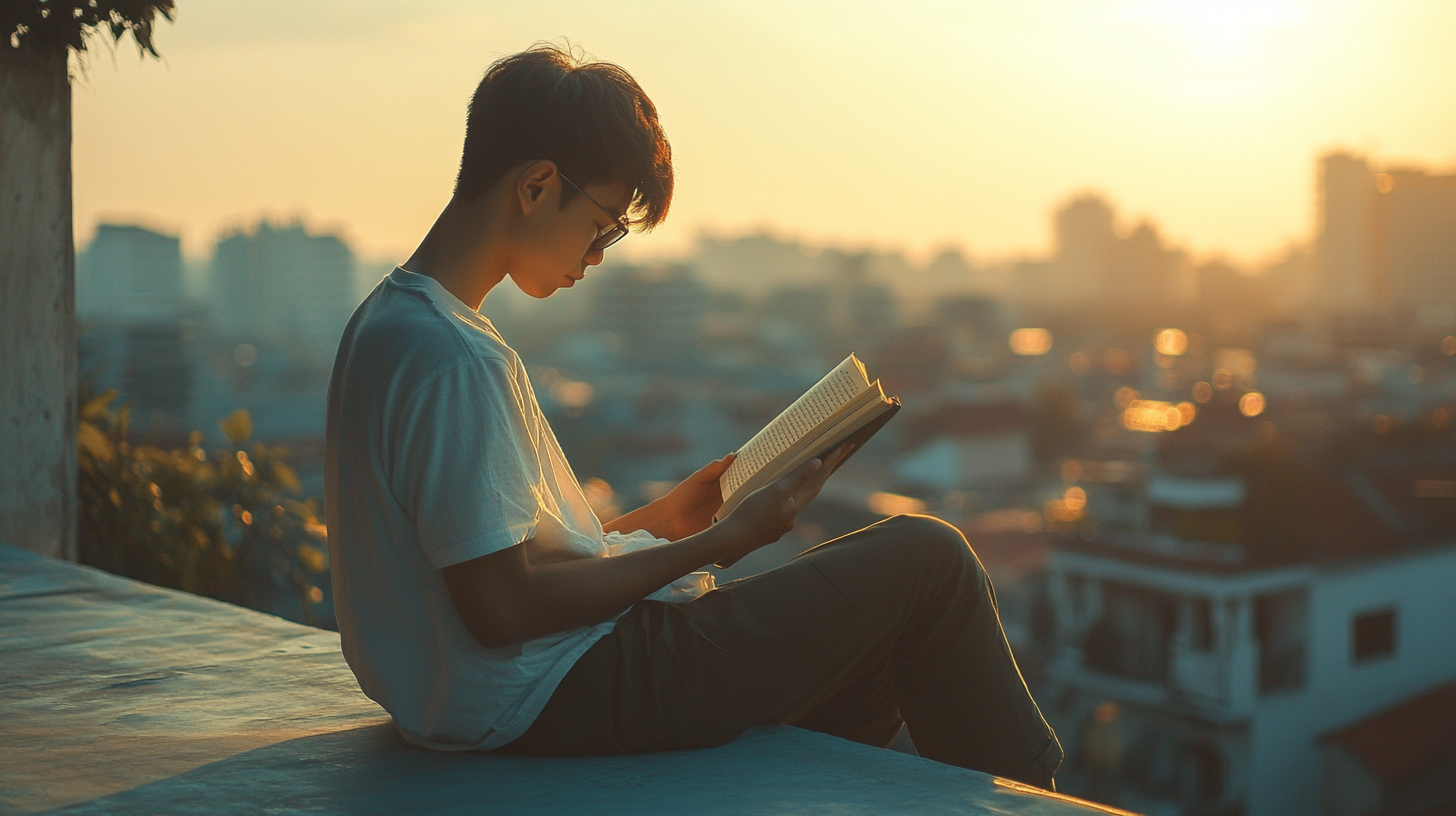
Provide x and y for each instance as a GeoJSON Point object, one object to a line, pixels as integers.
{"type": "Point", "coordinates": [1204, 118]}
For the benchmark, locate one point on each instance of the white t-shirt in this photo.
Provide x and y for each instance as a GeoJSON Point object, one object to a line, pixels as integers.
{"type": "Point", "coordinates": [437, 453]}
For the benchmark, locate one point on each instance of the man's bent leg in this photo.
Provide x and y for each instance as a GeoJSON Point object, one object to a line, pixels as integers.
{"type": "Point", "coordinates": [904, 599]}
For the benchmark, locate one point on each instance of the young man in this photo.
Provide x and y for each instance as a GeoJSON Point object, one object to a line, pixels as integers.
{"type": "Point", "coordinates": [483, 604]}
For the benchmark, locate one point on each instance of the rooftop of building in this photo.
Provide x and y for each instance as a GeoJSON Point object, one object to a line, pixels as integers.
{"type": "Point", "coordinates": [117, 696]}
{"type": "Point", "coordinates": [1324, 518]}
{"type": "Point", "coordinates": [1405, 740]}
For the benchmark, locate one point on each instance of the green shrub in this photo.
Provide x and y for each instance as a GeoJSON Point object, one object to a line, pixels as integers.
{"type": "Point", "coordinates": [228, 524]}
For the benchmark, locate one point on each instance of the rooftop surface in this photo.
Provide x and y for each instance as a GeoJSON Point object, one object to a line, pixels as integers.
{"type": "Point", "coordinates": [1404, 740]}
{"type": "Point", "coordinates": [116, 696]}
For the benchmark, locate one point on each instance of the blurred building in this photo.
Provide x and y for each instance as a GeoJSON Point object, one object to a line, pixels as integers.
{"type": "Point", "coordinates": [657, 314]}
{"type": "Point", "coordinates": [958, 447]}
{"type": "Point", "coordinates": [1231, 656]}
{"type": "Point", "coordinates": [1416, 229]}
{"type": "Point", "coordinates": [1399, 760]}
{"type": "Point", "coordinates": [283, 284]}
{"type": "Point", "coordinates": [130, 274]}
{"type": "Point", "coordinates": [130, 303]}
{"type": "Point", "coordinates": [1345, 249]}
{"type": "Point", "coordinates": [755, 264]}
{"type": "Point", "coordinates": [1093, 263]}
{"type": "Point", "coordinates": [1387, 238]}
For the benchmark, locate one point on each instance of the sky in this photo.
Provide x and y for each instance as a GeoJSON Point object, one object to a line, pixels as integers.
{"type": "Point", "coordinates": [911, 126]}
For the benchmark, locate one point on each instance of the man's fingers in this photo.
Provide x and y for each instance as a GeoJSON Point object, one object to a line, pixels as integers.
{"type": "Point", "coordinates": [790, 484]}
{"type": "Point", "coordinates": [713, 470]}
{"type": "Point", "coordinates": [811, 488]}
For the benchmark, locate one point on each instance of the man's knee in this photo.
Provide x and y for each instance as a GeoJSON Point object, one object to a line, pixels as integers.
{"type": "Point", "coordinates": [931, 538]}
{"type": "Point", "coordinates": [940, 555]}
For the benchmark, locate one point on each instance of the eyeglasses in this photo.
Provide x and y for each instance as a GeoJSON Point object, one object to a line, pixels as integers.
{"type": "Point", "coordinates": [606, 237]}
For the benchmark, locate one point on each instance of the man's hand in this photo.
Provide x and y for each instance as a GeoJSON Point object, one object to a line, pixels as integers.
{"type": "Point", "coordinates": [769, 512]}
{"type": "Point", "coordinates": [686, 509]}
{"type": "Point", "coordinates": [504, 598]}
{"type": "Point", "coordinates": [690, 506]}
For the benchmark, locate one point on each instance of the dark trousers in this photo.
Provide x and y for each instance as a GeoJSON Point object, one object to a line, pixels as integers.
{"type": "Point", "coordinates": [894, 624]}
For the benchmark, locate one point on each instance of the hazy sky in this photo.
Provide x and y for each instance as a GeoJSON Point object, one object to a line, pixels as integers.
{"type": "Point", "coordinates": [908, 125]}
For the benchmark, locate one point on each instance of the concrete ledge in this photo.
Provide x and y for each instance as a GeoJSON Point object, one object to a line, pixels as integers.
{"type": "Point", "coordinates": [116, 696]}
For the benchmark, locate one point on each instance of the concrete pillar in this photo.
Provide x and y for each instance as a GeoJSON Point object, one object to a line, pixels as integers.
{"type": "Point", "coordinates": [37, 304]}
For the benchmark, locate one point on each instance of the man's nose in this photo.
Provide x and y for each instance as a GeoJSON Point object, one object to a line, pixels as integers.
{"type": "Point", "coordinates": [594, 257]}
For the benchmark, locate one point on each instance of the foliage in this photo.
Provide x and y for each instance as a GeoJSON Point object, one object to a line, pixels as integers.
{"type": "Point", "coordinates": [225, 525]}
{"type": "Point", "coordinates": [56, 24]}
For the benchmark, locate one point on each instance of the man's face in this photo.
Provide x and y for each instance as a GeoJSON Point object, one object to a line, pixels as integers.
{"type": "Point", "coordinates": [555, 247]}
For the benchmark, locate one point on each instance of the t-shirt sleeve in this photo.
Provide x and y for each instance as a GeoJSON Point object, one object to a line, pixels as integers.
{"type": "Point", "coordinates": [464, 466]}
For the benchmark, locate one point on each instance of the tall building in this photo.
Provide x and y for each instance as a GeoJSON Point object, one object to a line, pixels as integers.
{"type": "Point", "coordinates": [1416, 233]}
{"type": "Point", "coordinates": [129, 298]}
{"type": "Point", "coordinates": [1387, 238]}
{"type": "Point", "coordinates": [1345, 247]}
{"type": "Point", "coordinates": [283, 284]}
{"type": "Point", "coordinates": [1086, 243]}
{"type": "Point", "coordinates": [1093, 263]}
{"type": "Point", "coordinates": [129, 274]}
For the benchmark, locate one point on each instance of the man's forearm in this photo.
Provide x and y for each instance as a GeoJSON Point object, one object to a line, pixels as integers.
{"type": "Point", "coordinates": [650, 517]}
{"type": "Point", "coordinates": [503, 599]}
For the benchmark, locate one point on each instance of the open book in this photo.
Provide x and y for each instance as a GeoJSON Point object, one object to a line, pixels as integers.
{"type": "Point", "coordinates": [843, 407]}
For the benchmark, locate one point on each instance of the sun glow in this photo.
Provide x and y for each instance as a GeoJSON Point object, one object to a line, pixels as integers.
{"type": "Point", "coordinates": [1222, 27]}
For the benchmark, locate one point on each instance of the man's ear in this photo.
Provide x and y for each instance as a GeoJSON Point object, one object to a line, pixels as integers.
{"type": "Point", "coordinates": [534, 185]}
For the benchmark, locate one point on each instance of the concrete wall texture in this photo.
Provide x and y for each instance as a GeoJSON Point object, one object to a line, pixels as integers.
{"type": "Point", "coordinates": [37, 305]}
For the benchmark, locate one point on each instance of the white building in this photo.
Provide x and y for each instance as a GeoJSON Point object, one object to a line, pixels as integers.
{"type": "Point", "coordinates": [1228, 674]}
{"type": "Point", "coordinates": [129, 274]}
{"type": "Point", "coordinates": [130, 301]}
{"type": "Point", "coordinates": [967, 447]}
{"type": "Point", "coordinates": [283, 284]}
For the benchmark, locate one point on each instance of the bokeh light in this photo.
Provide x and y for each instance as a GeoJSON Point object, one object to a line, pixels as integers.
{"type": "Point", "coordinates": [1202, 392]}
{"type": "Point", "coordinates": [1070, 507]}
{"type": "Point", "coordinates": [1125, 396]}
{"type": "Point", "coordinates": [1155, 416]}
{"type": "Point", "coordinates": [1251, 404]}
{"type": "Point", "coordinates": [1075, 498]}
{"type": "Point", "coordinates": [1172, 342]}
{"type": "Point", "coordinates": [893, 504]}
{"type": "Point", "coordinates": [1031, 342]}
{"type": "Point", "coordinates": [1186, 412]}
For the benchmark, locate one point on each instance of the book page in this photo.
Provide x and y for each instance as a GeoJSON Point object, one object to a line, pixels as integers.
{"type": "Point", "coordinates": [838, 388]}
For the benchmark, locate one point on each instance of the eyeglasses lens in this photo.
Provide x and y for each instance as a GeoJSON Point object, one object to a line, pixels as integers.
{"type": "Point", "coordinates": [609, 237]}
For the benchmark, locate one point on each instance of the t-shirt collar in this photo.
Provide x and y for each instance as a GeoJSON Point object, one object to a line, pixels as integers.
{"type": "Point", "coordinates": [404, 277]}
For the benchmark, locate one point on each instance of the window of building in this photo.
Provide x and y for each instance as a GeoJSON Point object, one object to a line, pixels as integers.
{"type": "Point", "coordinates": [1281, 625]}
{"type": "Point", "coordinates": [1131, 638]}
{"type": "Point", "coordinates": [1373, 635]}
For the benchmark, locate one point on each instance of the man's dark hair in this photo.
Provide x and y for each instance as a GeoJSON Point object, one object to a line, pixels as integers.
{"type": "Point", "coordinates": [591, 118]}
